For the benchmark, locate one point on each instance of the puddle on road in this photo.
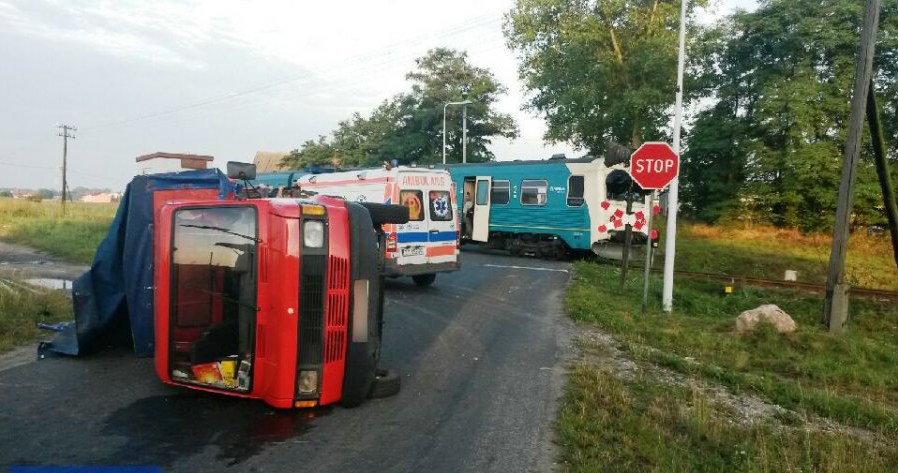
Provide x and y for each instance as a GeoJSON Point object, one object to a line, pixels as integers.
{"type": "Point", "coordinates": [166, 429]}
{"type": "Point", "coordinates": [51, 283]}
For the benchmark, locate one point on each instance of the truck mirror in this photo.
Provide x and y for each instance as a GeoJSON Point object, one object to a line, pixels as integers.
{"type": "Point", "coordinates": [241, 171]}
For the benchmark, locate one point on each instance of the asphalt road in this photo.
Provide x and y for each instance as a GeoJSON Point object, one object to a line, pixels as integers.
{"type": "Point", "coordinates": [481, 354]}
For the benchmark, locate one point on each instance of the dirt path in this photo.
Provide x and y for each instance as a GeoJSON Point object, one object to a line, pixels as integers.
{"type": "Point", "coordinates": [27, 262]}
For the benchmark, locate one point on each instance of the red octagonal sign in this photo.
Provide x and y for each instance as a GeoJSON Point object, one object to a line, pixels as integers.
{"type": "Point", "coordinates": [654, 165]}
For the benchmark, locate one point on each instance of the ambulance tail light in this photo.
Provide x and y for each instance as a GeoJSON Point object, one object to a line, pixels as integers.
{"type": "Point", "coordinates": [457, 240]}
{"type": "Point", "coordinates": [391, 243]}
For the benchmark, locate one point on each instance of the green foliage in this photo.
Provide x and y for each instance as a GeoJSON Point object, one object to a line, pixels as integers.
{"type": "Point", "coordinates": [600, 70]}
{"type": "Point", "coordinates": [409, 126]}
{"type": "Point", "coordinates": [311, 153]}
{"type": "Point", "coordinates": [781, 77]}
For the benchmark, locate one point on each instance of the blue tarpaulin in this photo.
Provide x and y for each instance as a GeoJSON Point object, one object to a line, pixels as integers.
{"type": "Point", "coordinates": [113, 301]}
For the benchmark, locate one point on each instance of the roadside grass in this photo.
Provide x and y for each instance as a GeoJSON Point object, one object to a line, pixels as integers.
{"type": "Point", "coordinates": [73, 236]}
{"type": "Point", "coordinates": [851, 378]}
{"type": "Point", "coordinates": [766, 252]}
{"type": "Point", "coordinates": [607, 424]}
{"type": "Point", "coordinates": [22, 306]}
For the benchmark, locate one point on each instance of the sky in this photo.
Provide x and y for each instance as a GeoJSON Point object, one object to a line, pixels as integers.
{"type": "Point", "coordinates": [224, 77]}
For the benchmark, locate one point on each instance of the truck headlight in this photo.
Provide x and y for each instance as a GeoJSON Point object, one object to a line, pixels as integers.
{"type": "Point", "coordinates": [313, 234]}
{"type": "Point", "coordinates": [307, 382]}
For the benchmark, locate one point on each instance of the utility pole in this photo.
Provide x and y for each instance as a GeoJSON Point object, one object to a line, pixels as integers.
{"type": "Point", "coordinates": [835, 307]}
{"type": "Point", "coordinates": [65, 134]}
{"type": "Point", "coordinates": [673, 192]}
{"type": "Point", "coordinates": [464, 132]}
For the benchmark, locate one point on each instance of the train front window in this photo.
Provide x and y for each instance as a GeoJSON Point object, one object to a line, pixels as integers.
{"type": "Point", "coordinates": [575, 191]}
{"type": "Point", "coordinates": [213, 296]}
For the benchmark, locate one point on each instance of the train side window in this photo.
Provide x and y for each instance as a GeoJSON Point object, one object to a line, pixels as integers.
{"type": "Point", "coordinates": [575, 191]}
{"type": "Point", "coordinates": [500, 195]}
{"type": "Point", "coordinates": [483, 195]}
{"type": "Point", "coordinates": [534, 192]}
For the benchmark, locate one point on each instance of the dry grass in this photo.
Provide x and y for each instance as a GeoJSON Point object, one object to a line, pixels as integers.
{"type": "Point", "coordinates": [42, 225]}
{"type": "Point", "coordinates": [767, 252]}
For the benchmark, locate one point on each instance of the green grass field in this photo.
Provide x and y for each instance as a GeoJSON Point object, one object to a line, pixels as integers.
{"type": "Point", "coordinates": [73, 236]}
{"type": "Point", "coordinates": [849, 382]}
{"type": "Point", "coordinates": [22, 306]}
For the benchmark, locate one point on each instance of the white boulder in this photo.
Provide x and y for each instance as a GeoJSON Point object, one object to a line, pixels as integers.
{"type": "Point", "coordinates": [770, 313]}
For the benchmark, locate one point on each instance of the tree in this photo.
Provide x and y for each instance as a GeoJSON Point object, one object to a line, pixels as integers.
{"type": "Point", "coordinates": [311, 153]}
{"type": "Point", "coordinates": [599, 70]}
{"type": "Point", "coordinates": [443, 76]}
{"type": "Point", "coordinates": [782, 79]}
{"type": "Point", "coordinates": [409, 126]}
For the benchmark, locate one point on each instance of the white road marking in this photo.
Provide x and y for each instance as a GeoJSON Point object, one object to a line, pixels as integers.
{"type": "Point", "coordinates": [526, 267]}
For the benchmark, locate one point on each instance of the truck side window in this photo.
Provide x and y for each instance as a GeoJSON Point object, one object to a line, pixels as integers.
{"type": "Point", "coordinates": [534, 192]}
{"type": "Point", "coordinates": [575, 191]}
{"type": "Point", "coordinates": [414, 201]}
{"type": "Point", "coordinates": [499, 194]}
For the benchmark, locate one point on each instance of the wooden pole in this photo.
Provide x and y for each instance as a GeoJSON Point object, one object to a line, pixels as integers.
{"type": "Point", "coordinates": [882, 168]}
{"type": "Point", "coordinates": [835, 307]}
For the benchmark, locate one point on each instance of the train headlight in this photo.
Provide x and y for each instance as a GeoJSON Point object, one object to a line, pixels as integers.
{"type": "Point", "coordinates": [313, 234]}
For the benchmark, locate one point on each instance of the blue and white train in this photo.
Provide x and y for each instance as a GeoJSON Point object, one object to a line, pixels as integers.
{"type": "Point", "coordinates": [550, 207]}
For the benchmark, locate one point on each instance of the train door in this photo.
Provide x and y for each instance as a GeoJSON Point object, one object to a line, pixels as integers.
{"type": "Point", "coordinates": [481, 220]}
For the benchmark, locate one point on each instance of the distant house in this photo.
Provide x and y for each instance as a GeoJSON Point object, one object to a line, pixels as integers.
{"type": "Point", "coordinates": [171, 162]}
{"type": "Point", "coordinates": [101, 198]}
{"type": "Point", "coordinates": [269, 161]}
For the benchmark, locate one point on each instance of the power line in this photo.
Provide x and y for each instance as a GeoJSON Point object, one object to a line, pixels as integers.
{"type": "Point", "coordinates": [351, 62]}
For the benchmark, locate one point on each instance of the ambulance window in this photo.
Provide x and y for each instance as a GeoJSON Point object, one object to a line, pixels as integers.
{"type": "Point", "coordinates": [483, 187]}
{"type": "Point", "coordinates": [534, 192]}
{"type": "Point", "coordinates": [414, 201]}
{"type": "Point", "coordinates": [499, 195]}
{"type": "Point", "coordinates": [440, 206]}
{"type": "Point", "coordinates": [575, 191]}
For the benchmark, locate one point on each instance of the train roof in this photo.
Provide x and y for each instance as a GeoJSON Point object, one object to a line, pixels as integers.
{"type": "Point", "coordinates": [523, 162]}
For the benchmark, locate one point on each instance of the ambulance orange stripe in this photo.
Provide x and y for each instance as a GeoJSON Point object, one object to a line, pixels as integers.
{"type": "Point", "coordinates": [441, 251]}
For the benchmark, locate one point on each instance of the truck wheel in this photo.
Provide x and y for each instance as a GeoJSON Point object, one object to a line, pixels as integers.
{"type": "Point", "coordinates": [383, 213]}
{"type": "Point", "coordinates": [386, 384]}
{"type": "Point", "coordinates": [424, 280]}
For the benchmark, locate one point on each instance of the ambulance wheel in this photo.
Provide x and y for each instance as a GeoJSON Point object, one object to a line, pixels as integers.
{"type": "Point", "coordinates": [386, 384]}
{"type": "Point", "coordinates": [383, 213]}
{"type": "Point", "coordinates": [424, 280]}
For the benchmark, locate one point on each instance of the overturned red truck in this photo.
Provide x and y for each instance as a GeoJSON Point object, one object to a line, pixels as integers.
{"type": "Point", "coordinates": [273, 299]}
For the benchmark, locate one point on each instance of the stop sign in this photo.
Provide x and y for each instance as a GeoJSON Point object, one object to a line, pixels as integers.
{"type": "Point", "coordinates": [654, 165]}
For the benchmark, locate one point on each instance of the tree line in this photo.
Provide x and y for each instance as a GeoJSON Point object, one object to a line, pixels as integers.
{"type": "Point", "coordinates": [767, 92]}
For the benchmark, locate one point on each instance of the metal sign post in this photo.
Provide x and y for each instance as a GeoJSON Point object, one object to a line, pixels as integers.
{"type": "Point", "coordinates": [648, 253]}
{"type": "Point", "coordinates": [653, 166]}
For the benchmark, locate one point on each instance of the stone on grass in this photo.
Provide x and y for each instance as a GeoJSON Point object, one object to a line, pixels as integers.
{"type": "Point", "coordinates": [770, 313]}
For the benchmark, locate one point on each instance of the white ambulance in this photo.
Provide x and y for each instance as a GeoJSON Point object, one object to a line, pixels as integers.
{"type": "Point", "coordinates": [428, 243]}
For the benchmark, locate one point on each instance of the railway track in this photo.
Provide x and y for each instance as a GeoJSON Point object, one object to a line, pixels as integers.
{"type": "Point", "coordinates": [803, 286]}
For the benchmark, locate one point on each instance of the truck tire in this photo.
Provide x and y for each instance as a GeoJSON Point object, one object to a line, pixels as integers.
{"type": "Point", "coordinates": [424, 280]}
{"type": "Point", "coordinates": [383, 213]}
{"type": "Point", "coordinates": [386, 384]}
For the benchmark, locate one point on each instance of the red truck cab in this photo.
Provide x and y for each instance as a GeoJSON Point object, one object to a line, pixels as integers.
{"type": "Point", "coordinates": [272, 299]}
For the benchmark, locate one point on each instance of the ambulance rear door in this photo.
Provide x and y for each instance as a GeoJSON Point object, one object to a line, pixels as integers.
{"type": "Point", "coordinates": [442, 238]}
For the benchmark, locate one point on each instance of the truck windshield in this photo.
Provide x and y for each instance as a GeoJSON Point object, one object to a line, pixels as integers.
{"type": "Point", "coordinates": [213, 288]}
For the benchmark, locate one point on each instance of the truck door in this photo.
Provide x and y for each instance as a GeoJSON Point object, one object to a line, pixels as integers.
{"type": "Point", "coordinates": [481, 230]}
